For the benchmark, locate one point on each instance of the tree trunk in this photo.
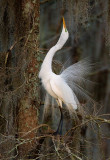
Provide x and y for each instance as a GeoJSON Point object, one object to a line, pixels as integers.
{"type": "Point", "coordinates": [19, 63]}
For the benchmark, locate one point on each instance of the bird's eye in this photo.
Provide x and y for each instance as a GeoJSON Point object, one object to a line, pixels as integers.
{"type": "Point", "coordinates": [65, 30]}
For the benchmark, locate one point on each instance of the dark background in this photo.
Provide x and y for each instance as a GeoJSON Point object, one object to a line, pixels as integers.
{"type": "Point", "coordinates": [88, 23]}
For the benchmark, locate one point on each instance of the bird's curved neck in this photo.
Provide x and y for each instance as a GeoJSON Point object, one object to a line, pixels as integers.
{"type": "Point", "coordinates": [47, 63]}
{"type": "Point", "coordinates": [46, 67]}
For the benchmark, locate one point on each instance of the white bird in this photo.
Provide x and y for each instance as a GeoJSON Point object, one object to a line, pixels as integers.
{"type": "Point", "coordinates": [60, 86]}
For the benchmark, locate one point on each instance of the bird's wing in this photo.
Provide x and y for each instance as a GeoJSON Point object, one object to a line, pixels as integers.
{"type": "Point", "coordinates": [64, 92]}
{"type": "Point", "coordinates": [76, 75]}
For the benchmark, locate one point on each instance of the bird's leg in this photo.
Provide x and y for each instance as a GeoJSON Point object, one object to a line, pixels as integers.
{"type": "Point", "coordinates": [59, 129]}
{"type": "Point", "coordinates": [61, 121]}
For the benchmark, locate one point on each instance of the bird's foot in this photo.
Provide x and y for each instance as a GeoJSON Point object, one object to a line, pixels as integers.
{"type": "Point", "coordinates": [57, 132]}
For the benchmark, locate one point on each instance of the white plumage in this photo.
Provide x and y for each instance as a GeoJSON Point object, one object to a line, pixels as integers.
{"type": "Point", "coordinates": [54, 84]}
{"type": "Point", "coordinates": [65, 86]}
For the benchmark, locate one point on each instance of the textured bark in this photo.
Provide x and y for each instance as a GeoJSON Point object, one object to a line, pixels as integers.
{"type": "Point", "coordinates": [19, 62]}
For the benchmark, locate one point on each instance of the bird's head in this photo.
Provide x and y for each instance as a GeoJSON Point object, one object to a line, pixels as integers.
{"type": "Point", "coordinates": [64, 25]}
{"type": "Point", "coordinates": [63, 37]}
{"type": "Point", "coordinates": [65, 33]}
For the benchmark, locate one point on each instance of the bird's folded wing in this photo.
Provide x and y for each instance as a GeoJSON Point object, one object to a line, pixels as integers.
{"type": "Point", "coordinates": [63, 91]}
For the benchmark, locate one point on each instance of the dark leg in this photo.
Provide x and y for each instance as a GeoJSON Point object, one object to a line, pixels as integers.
{"type": "Point", "coordinates": [59, 129]}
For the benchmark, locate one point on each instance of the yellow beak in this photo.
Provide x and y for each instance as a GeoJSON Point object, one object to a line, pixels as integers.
{"type": "Point", "coordinates": [64, 25]}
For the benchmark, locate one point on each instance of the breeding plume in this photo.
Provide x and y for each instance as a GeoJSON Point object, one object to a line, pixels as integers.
{"type": "Point", "coordinates": [63, 87]}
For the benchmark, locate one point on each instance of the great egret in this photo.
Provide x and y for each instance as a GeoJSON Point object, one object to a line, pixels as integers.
{"type": "Point", "coordinates": [59, 86]}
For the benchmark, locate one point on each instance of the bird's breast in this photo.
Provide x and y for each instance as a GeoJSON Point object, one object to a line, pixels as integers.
{"type": "Point", "coordinates": [48, 88]}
